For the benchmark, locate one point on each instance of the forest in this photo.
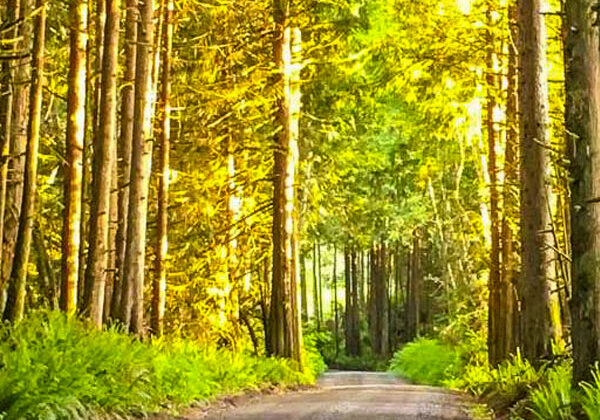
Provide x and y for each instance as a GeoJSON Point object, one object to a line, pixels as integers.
{"type": "Point", "coordinates": [206, 198]}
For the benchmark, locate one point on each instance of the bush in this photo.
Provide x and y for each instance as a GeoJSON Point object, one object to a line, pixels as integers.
{"type": "Point", "coordinates": [53, 367]}
{"type": "Point", "coordinates": [427, 361]}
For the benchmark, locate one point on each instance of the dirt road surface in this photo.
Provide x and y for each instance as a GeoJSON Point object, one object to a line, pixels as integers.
{"type": "Point", "coordinates": [354, 396]}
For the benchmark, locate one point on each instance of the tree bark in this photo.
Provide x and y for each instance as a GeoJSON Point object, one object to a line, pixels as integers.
{"type": "Point", "coordinates": [97, 260]}
{"type": "Point", "coordinates": [94, 72]}
{"type": "Point", "coordinates": [285, 332]}
{"type": "Point", "coordinates": [495, 312]}
{"type": "Point", "coordinates": [536, 254]}
{"type": "Point", "coordinates": [509, 273]}
{"type": "Point", "coordinates": [17, 145]}
{"type": "Point", "coordinates": [7, 86]}
{"type": "Point", "coordinates": [316, 305]}
{"type": "Point", "coordinates": [141, 159]}
{"type": "Point", "coordinates": [413, 310]}
{"type": "Point", "coordinates": [583, 127]}
{"type": "Point", "coordinates": [121, 289]}
{"type": "Point", "coordinates": [335, 303]}
{"type": "Point", "coordinates": [303, 289]}
{"type": "Point", "coordinates": [160, 277]}
{"type": "Point", "coordinates": [355, 308]}
{"type": "Point", "coordinates": [73, 168]}
{"type": "Point", "coordinates": [16, 292]}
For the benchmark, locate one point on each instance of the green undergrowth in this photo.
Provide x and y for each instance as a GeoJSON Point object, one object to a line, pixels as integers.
{"type": "Point", "coordinates": [515, 389]}
{"type": "Point", "coordinates": [324, 342]}
{"type": "Point", "coordinates": [427, 361]}
{"type": "Point", "coordinates": [52, 367]}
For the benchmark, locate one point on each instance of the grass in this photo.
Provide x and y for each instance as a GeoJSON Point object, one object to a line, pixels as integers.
{"type": "Point", "coordinates": [52, 367]}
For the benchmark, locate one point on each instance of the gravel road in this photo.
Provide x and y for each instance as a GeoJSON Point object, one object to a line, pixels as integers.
{"type": "Point", "coordinates": [354, 396]}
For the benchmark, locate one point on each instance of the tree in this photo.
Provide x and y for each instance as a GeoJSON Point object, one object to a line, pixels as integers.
{"type": "Point", "coordinates": [509, 273]}
{"type": "Point", "coordinates": [160, 277]}
{"type": "Point", "coordinates": [6, 103]}
{"type": "Point", "coordinates": [141, 158]}
{"type": "Point", "coordinates": [336, 321]}
{"type": "Point", "coordinates": [536, 254]}
{"type": "Point", "coordinates": [496, 325]}
{"type": "Point", "coordinates": [121, 289]}
{"type": "Point", "coordinates": [316, 290]}
{"type": "Point", "coordinates": [351, 332]}
{"type": "Point", "coordinates": [16, 290]}
{"type": "Point", "coordinates": [17, 144]}
{"type": "Point", "coordinates": [285, 332]}
{"type": "Point", "coordinates": [414, 289]}
{"type": "Point", "coordinates": [582, 119]}
{"type": "Point", "coordinates": [73, 168]}
{"type": "Point", "coordinates": [104, 153]}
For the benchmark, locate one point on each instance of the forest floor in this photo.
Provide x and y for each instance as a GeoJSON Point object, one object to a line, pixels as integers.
{"type": "Point", "coordinates": [347, 395]}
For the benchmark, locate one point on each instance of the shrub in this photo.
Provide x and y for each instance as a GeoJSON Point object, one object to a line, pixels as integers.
{"type": "Point", "coordinates": [53, 367]}
{"type": "Point", "coordinates": [552, 401]}
{"type": "Point", "coordinates": [427, 361]}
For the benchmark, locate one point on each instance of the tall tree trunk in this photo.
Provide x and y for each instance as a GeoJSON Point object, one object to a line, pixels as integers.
{"type": "Point", "coordinates": [303, 289]}
{"type": "Point", "coordinates": [335, 303]}
{"type": "Point", "coordinates": [495, 315]}
{"type": "Point", "coordinates": [94, 70]}
{"type": "Point", "coordinates": [13, 12]}
{"type": "Point", "coordinates": [355, 308]}
{"type": "Point", "coordinates": [316, 305]}
{"type": "Point", "coordinates": [97, 261]}
{"type": "Point", "coordinates": [536, 254]}
{"type": "Point", "coordinates": [285, 331]}
{"type": "Point", "coordinates": [121, 289]}
{"type": "Point", "coordinates": [320, 284]}
{"type": "Point", "coordinates": [379, 305]}
{"type": "Point", "coordinates": [160, 277]}
{"type": "Point", "coordinates": [16, 290]}
{"type": "Point", "coordinates": [74, 158]}
{"type": "Point", "coordinates": [17, 145]}
{"type": "Point", "coordinates": [112, 241]}
{"type": "Point", "coordinates": [45, 269]}
{"type": "Point", "coordinates": [141, 159]}
{"type": "Point", "coordinates": [348, 312]}
{"type": "Point", "coordinates": [372, 301]}
{"type": "Point", "coordinates": [583, 127]}
{"type": "Point", "coordinates": [509, 274]}
{"type": "Point", "coordinates": [414, 290]}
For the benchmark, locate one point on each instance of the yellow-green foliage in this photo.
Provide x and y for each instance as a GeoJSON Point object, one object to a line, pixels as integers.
{"type": "Point", "coordinates": [427, 361]}
{"type": "Point", "coordinates": [590, 398]}
{"type": "Point", "coordinates": [52, 367]}
{"type": "Point", "coordinates": [552, 401]}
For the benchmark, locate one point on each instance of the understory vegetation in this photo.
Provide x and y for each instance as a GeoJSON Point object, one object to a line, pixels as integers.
{"type": "Point", "coordinates": [515, 388]}
{"type": "Point", "coordinates": [55, 367]}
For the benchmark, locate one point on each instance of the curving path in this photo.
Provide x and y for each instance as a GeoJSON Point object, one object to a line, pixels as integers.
{"type": "Point", "coordinates": [354, 396]}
